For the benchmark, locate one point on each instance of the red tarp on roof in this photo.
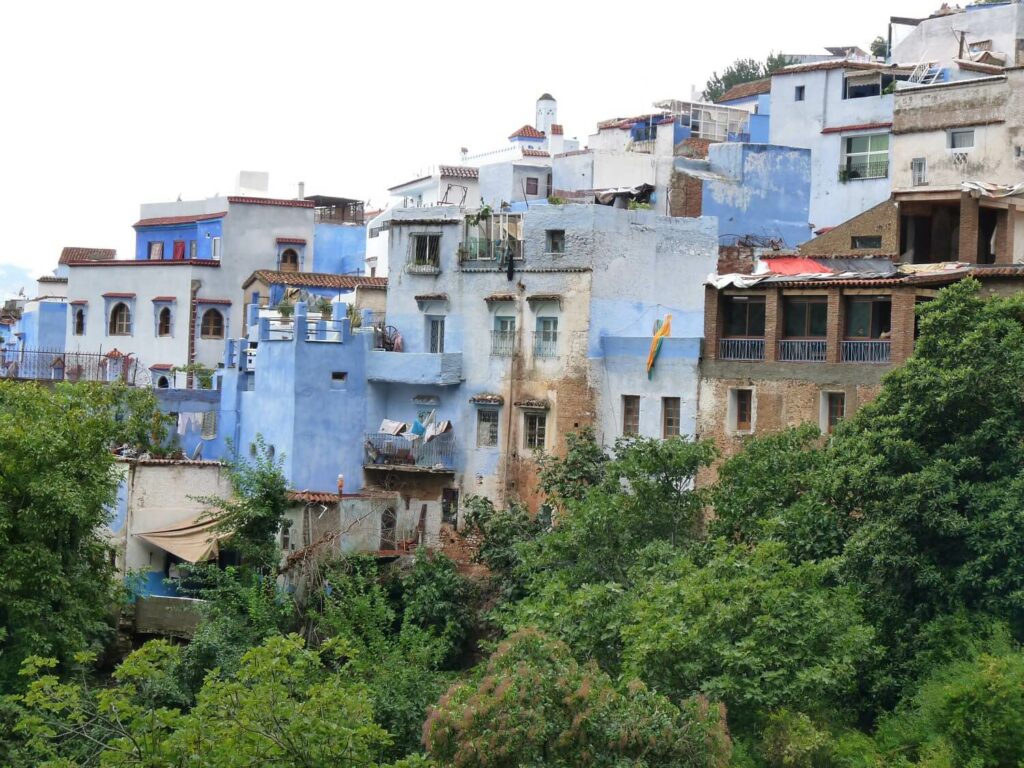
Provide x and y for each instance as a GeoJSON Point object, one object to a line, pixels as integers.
{"type": "Point", "coordinates": [794, 265]}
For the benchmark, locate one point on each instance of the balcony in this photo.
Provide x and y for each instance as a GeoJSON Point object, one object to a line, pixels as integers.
{"type": "Point", "coordinates": [802, 350]}
{"type": "Point", "coordinates": [879, 170]}
{"type": "Point", "coordinates": [741, 349]}
{"type": "Point", "coordinates": [384, 451]}
{"type": "Point", "coordinates": [873, 351]}
{"type": "Point", "coordinates": [503, 343]}
{"type": "Point", "coordinates": [437, 368]}
{"type": "Point", "coordinates": [545, 344]}
{"type": "Point", "coordinates": [58, 365]}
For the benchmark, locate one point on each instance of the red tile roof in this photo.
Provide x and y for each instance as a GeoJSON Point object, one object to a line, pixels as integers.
{"type": "Point", "coordinates": [77, 253]}
{"type": "Point", "coordinates": [557, 130]}
{"type": "Point", "coordinates": [314, 497]}
{"type": "Point", "coordinates": [625, 123]}
{"type": "Point", "coordinates": [746, 90]}
{"type": "Point", "coordinates": [164, 298]}
{"type": "Point", "coordinates": [795, 265]}
{"type": "Point", "coordinates": [527, 132]}
{"type": "Point", "coordinates": [817, 66]}
{"type": "Point", "coordinates": [315, 280]}
{"type": "Point", "coordinates": [118, 295]}
{"type": "Point", "coordinates": [165, 221]}
{"type": "Point", "coordinates": [535, 153]}
{"type": "Point", "coordinates": [161, 367]}
{"type": "Point", "coordinates": [291, 241]}
{"type": "Point", "coordinates": [79, 301]}
{"type": "Point", "coordinates": [272, 201]}
{"type": "Point", "coordinates": [459, 171]}
{"type": "Point", "coordinates": [148, 263]}
{"type": "Point", "coordinates": [51, 279]}
{"type": "Point", "coordinates": [858, 127]}
{"type": "Point", "coordinates": [226, 302]}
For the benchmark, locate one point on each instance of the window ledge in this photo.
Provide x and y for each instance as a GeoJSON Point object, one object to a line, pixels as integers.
{"type": "Point", "coordinates": [422, 269]}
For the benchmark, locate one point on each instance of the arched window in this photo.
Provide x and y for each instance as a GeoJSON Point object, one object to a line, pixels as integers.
{"type": "Point", "coordinates": [163, 323]}
{"type": "Point", "coordinates": [79, 322]}
{"type": "Point", "coordinates": [213, 325]}
{"type": "Point", "coordinates": [163, 383]}
{"type": "Point", "coordinates": [120, 320]}
{"type": "Point", "coordinates": [289, 260]}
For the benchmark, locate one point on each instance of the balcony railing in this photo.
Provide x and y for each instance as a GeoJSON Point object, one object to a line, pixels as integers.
{"type": "Point", "coordinates": [874, 351]}
{"type": "Point", "coordinates": [384, 450]}
{"type": "Point", "coordinates": [802, 350]}
{"type": "Point", "coordinates": [877, 170]}
{"type": "Point", "coordinates": [503, 343]}
{"type": "Point", "coordinates": [545, 344]}
{"type": "Point", "coordinates": [57, 365]}
{"type": "Point", "coordinates": [741, 349]}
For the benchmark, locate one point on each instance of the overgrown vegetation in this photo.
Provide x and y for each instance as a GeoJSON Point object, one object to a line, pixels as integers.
{"type": "Point", "coordinates": [849, 602]}
{"type": "Point", "coordinates": [743, 71]}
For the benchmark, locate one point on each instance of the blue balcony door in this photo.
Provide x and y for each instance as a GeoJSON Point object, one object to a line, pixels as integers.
{"type": "Point", "coordinates": [436, 334]}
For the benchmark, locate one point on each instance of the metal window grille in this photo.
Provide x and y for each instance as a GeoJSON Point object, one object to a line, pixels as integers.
{"type": "Point", "coordinates": [536, 430]}
{"type": "Point", "coordinates": [487, 428]}
{"type": "Point", "coordinates": [630, 415]}
{"type": "Point", "coordinates": [671, 417]}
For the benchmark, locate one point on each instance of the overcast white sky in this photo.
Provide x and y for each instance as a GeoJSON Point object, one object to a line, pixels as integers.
{"type": "Point", "coordinates": [107, 105]}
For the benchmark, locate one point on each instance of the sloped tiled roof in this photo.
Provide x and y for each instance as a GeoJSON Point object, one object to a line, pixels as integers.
{"type": "Point", "coordinates": [527, 132]}
{"type": "Point", "coordinates": [272, 201]}
{"type": "Point", "coordinates": [74, 253]}
{"type": "Point", "coordinates": [535, 153]}
{"type": "Point", "coordinates": [166, 221]}
{"type": "Point", "coordinates": [316, 279]}
{"type": "Point", "coordinates": [557, 130]}
{"type": "Point", "coordinates": [291, 241]}
{"type": "Point", "coordinates": [818, 66]}
{"type": "Point", "coordinates": [857, 127]}
{"type": "Point", "coordinates": [313, 497]}
{"type": "Point", "coordinates": [458, 171]}
{"type": "Point", "coordinates": [51, 279]}
{"type": "Point", "coordinates": [746, 90]}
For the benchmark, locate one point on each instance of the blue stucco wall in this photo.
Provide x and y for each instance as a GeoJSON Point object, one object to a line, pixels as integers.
{"type": "Point", "coordinates": [201, 232]}
{"type": "Point", "coordinates": [44, 327]}
{"type": "Point", "coordinates": [767, 194]}
{"type": "Point", "coordinates": [339, 249]}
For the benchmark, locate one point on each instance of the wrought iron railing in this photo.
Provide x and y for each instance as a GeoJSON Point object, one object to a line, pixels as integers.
{"type": "Point", "coordinates": [803, 350]}
{"type": "Point", "coordinates": [400, 451]}
{"type": "Point", "coordinates": [876, 170]}
{"type": "Point", "coordinates": [58, 365]}
{"type": "Point", "coordinates": [503, 343]}
{"type": "Point", "coordinates": [741, 349]}
{"type": "Point", "coordinates": [545, 344]}
{"type": "Point", "coordinates": [873, 351]}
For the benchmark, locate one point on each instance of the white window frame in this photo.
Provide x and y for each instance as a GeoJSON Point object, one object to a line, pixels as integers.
{"type": "Point", "coordinates": [870, 156]}
{"type": "Point", "coordinates": [823, 408]}
{"type": "Point", "coordinates": [215, 248]}
{"type": "Point", "coordinates": [435, 334]}
{"type": "Point", "coordinates": [494, 427]}
{"type": "Point", "coordinates": [951, 141]}
{"type": "Point", "coordinates": [731, 416]}
{"type": "Point", "coordinates": [919, 172]}
{"type": "Point", "coordinates": [543, 428]}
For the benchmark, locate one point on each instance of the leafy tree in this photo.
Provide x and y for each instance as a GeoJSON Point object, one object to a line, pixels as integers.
{"type": "Point", "coordinates": [436, 598]}
{"type": "Point", "coordinates": [501, 532]}
{"type": "Point", "coordinates": [879, 47]}
{"type": "Point", "coordinates": [752, 630]}
{"type": "Point", "coordinates": [743, 71]}
{"type": "Point", "coordinates": [567, 479]}
{"type": "Point", "coordinates": [536, 706]}
{"type": "Point", "coordinates": [57, 586]}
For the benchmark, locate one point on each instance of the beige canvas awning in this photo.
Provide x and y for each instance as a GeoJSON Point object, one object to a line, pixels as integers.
{"type": "Point", "coordinates": [193, 539]}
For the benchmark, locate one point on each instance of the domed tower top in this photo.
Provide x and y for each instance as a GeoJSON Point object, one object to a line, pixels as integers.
{"type": "Point", "coordinates": [547, 113]}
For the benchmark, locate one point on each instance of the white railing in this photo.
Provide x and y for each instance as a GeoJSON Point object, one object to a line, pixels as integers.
{"type": "Point", "coordinates": [741, 349]}
{"type": "Point", "coordinates": [874, 351]}
{"type": "Point", "coordinates": [803, 350]}
{"type": "Point", "coordinates": [503, 343]}
{"type": "Point", "coordinates": [545, 344]}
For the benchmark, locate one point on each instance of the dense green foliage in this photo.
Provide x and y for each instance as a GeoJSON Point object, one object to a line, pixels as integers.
{"type": "Point", "coordinates": [855, 601]}
{"type": "Point", "coordinates": [743, 71]}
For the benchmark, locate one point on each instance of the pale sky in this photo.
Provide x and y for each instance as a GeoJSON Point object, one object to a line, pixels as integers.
{"type": "Point", "coordinates": [111, 104]}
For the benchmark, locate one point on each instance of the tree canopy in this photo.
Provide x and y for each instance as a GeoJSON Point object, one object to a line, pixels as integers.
{"type": "Point", "coordinates": [743, 71]}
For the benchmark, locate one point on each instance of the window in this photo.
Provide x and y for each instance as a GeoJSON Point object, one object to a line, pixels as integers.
{"type": "Point", "coordinates": [868, 317]}
{"type": "Point", "coordinates": [286, 537]}
{"type": "Point", "coordinates": [535, 430]}
{"type": "Point", "coordinates": [503, 340]}
{"type": "Point", "coordinates": [373, 271]}
{"type": "Point", "coordinates": [120, 320]}
{"type": "Point", "coordinates": [742, 410]}
{"type": "Point", "coordinates": [163, 322]}
{"type": "Point", "coordinates": [212, 326]}
{"type": "Point", "coordinates": [426, 250]}
{"type": "Point", "coordinates": [865, 157]}
{"type": "Point", "coordinates": [630, 415]}
{"type": "Point", "coordinates": [919, 171]}
{"type": "Point", "coordinates": [798, 93]}
{"type": "Point", "coordinates": [209, 426]}
{"type": "Point", "coordinates": [156, 250]}
{"type": "Point", "coordinates": [192, 249]}
{"type": "Point", "coordinates": [179, 250]}
{"type": "Point", "coordinates": [835, 409]}
{"type": "Point", "coordinates": [289, 260]}
{"type": "Point", "coordinates": [215, 248]}
{"type": "Point", "coordinates": [555, 240]}
{"type": "Point", "coordinates": [338, 379]}
{"type": "Point", "coordinates": [546, 341]}
{"type": "Point", "coordinates": [961, 139]}
{"type": "Point", "coordinates": [744, 316]}
{"type": "Point", "coordinates": [162, 383]}
{"type": "Point", "coordinates": [805, 317]}
{"type": "Point", "coordinates": [436, 330]}
{"type": "Point", "coordinates": [866, 241]}
{"type": "Point", "coordinates": [671, 417]}
{"type": "Point", "coordinates": [532, 185]}
{"type": "Point", "coordinates": [79, 322]}
{"type": "Point", "coordinates": [487, 428]}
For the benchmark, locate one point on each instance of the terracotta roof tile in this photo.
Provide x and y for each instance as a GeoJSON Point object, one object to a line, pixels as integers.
{"type": "Point", "coordinates": [148, 263]}
{"type": "Point", "coordinates": [225, 302]}
{"type": "Point", "coordinates": [165, 221]}
{"type": "Point", "coordinates": [115, 295]}
{"type": "Point", "coordinates": [313, 497]}
{"type": "Point", "coordinates": [271, 201]}
{"type": "Point", "coordinates": [557, 130]}
{"type": "Point", "coordinates": [858, 127]}
{"type": "Point", "coordinates": [51, 279]}
{"type": "Point", "coordinates": [535, 153]}
{"type": "Point", "coordinates": [77, 253]}
{"type": "Point", "coordinates": [316, 280]}
{"type": "Point", "coordinates": [78, 302]}
{"type": "Point", "coordinates": [160, 367]}
{"type": "Point", "coordinates": [458, 171]}
{"type": "Point", "coordinates": [291, 241]}
{"type": "Point", "coordinates": [527, 132]}
{"type": "Point", "coordinates": [746, 90]}
{"type": "Point", "coordinates": [164, 298]}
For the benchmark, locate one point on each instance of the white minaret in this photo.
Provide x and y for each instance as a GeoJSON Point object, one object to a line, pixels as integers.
{"type": "Point", "coordinates": [547, 113]}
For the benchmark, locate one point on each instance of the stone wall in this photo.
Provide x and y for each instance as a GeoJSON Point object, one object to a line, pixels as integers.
{"type": "Point", "coordinates": [880, 221]}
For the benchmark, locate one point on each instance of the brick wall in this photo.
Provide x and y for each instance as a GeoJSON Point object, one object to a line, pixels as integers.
{"type": "Point", "coordinates": [686, 195]}
{"type": "Point", "coordinates": [735, 259]}
{"type": "Point", "coordinates": [693, 147]}
{"type": "Point", "coordinates": [882, 220]}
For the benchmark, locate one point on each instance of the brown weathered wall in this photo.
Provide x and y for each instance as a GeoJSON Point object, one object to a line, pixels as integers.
{"type": "Point", "coordinates": [882, 220]}
{"type": "Point", "coordinates": [685, 195]}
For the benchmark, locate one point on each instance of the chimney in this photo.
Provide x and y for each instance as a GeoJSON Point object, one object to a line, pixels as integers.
{"type": "Point", "coordinates": [302, 189]}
